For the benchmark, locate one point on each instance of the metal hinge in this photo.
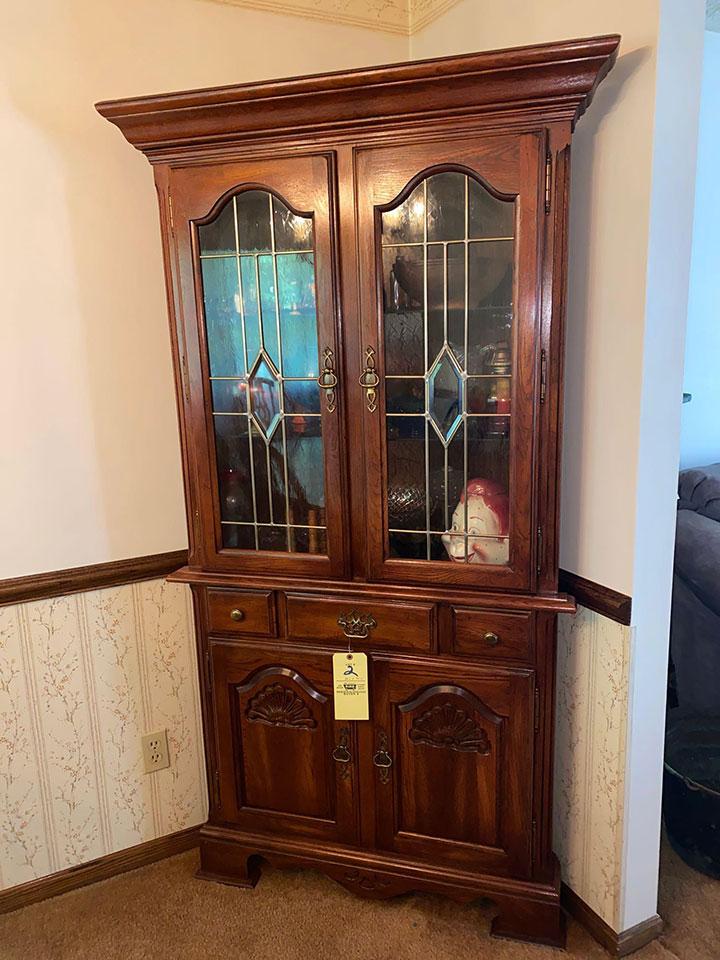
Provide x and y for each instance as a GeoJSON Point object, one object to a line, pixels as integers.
{"type": "Point", "coordinates": [208, 672]}
{"type": "Point", "coordinates": [172, 219]}
{"type": "Point", "coordinates": [548, 181]}
{"type": "Point", "coordinates": [185, 378]}
{"type": "Point", "coordinates": [543, 375]}
{"type": "Point", "coordinates": [537, 709]}
{"type": "Point", "coordinates": [533, 841]}
{"type": "Point", "coordinates": [539, 549]}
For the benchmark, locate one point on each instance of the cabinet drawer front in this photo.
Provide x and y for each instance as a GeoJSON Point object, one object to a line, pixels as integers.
{"type": "Point", "coordinates": [241, 612]}
{"type": "Point", "coordinates": [488, 633]}
{"type": "Point", "coordinates": [401, 625]}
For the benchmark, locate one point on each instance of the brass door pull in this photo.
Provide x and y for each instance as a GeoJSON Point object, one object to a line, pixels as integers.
{"type": "Point", "coordinates": [382, 758]}
{"type": "Point", "coordinates": [369, 380]}
{"type": "Point", "coordinates": [356, 624]}
{"type": "Point", "coordinates": [237, 615]}
{"type": "Point", "coordinates": [491, 639]}
{"type": "Point", "coordinates": [328, 380]}
{"type": "Point", "coordinates": [342, 755]}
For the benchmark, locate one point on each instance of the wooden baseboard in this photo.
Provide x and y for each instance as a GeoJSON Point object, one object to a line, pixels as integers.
{"type": "Point", "coordinates": [59, 583]}
{"type": "Point", "coordinates": [101, 869]}
{"type": "Point", "coordinates": [609, 603]}
{"type": "Point", "coordinates": [617, 944]}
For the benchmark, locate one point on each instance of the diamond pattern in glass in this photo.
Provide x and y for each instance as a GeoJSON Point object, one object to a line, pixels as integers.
{"type": "Point", "coordinates": [265, 396]}
{"type": "Point", "coordinates": [445, 395]}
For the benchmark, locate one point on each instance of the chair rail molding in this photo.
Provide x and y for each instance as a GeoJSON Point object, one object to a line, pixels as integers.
{"type": "Point", "coordinates": [59, 583]}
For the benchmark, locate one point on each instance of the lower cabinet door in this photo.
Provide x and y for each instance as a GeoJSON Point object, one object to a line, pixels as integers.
{"type": "Point", "coordinates": [285, 764]}
{"type": "Point", "coordinates": [453, 764]}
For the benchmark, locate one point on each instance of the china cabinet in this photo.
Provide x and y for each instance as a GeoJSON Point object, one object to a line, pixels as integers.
{"type": "Point", "coordinates": [365, 276]}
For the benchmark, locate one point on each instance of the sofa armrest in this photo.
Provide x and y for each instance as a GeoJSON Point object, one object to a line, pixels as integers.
{"type": "Point", "coordinates": [699, 490]}
{"type": "Point", "coordinates": [697, 556]}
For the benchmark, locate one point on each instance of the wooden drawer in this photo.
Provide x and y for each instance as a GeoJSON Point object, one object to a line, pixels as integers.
{"type": "Point", "coordinates": [402, 625]}
{"type": "Point", "coordinates": [490, 633]}
{"type": "Point", "coordinates": [241, 612]}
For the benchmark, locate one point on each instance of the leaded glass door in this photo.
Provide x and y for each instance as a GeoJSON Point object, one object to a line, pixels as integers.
{"type": "Point", "coordinates": [449, 304]}
{"type": "Point", "coordinates": [266, 392]}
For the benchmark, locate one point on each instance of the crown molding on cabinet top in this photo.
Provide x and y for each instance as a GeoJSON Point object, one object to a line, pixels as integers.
{"type": "Point", "coordinates": [551, 81]}
{"type": "Point", "coordinates": [389, 16]}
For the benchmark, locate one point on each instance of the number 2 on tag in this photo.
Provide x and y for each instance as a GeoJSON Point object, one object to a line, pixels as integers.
{"type": "Point", "coordinates": [350, 686]}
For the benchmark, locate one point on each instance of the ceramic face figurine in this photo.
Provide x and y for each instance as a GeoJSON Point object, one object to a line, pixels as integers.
{"type": "Point", "coordinates": [487, 525]}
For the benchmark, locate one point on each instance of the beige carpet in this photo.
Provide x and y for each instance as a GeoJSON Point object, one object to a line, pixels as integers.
{"type": "Point", "coordinates": [162, 912]}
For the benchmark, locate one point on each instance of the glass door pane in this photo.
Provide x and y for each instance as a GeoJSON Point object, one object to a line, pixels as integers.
{"type": "Point", "coordinates": [257, 265]}
{"type": "Point", "coordinates": [448, 255]}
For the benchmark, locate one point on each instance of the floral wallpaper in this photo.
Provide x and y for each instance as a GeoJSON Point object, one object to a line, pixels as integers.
{"type": "Point", "coordinates": [82, 678]}
{"type": "Point", "coordinates": [393, 16]}
{"type": "Point", "coordinates": [592, 703]}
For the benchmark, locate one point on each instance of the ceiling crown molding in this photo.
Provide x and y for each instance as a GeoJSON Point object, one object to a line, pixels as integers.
{"type": "Point", "coordinates": [390, 16]}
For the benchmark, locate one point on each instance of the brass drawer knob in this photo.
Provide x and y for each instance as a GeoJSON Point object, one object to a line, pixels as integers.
{"type": "Point", "coordinates": [491, 639]}
{"type": "Point", "coordinates": [237, 615]}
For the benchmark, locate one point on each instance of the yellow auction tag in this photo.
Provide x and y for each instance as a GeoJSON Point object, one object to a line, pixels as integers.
{"type": "Point", "coordinates": [350, 684]}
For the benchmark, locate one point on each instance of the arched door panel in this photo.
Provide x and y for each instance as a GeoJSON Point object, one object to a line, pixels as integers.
{"type": "Point", "coordinates": [458, 783]}
{"type": "Point", "coordinates": [284, 762]}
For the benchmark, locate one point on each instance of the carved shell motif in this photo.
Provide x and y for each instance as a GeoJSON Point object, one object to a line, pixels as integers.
{"type": "Point", "coordinates": [278, 706]}
{"type": "Point", "coordinates": [449, 726]}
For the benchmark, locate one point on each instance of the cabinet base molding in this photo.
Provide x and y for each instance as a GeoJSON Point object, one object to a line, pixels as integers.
{"type": "Point", "coordinates": [617, 944]}
{"type": "Point", "coordinates": [527, 910]}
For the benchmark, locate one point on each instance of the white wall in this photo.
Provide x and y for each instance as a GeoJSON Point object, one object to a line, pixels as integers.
{"type": "Point", "coordinates": [700, 433]}
{"type": "Point", "coordinates": [89, 463]}
{"type": "Point", "coordinates": [630, 229]}
{"type": "Point", "coordinates": [676, 107]}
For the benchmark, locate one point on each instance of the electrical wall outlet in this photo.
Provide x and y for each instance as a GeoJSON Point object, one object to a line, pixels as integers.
{"type": "Point", "coordinates": [155, 751]}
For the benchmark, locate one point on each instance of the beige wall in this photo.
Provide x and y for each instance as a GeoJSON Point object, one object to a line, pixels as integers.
{"type": "Point", "coordinates": [90, 467]}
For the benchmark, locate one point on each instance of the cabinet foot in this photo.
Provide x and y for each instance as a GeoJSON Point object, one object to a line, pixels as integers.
{"type": "Point", "coordinates": [229, 864]}
{"type": "Point", "coordinates": [521, 919]}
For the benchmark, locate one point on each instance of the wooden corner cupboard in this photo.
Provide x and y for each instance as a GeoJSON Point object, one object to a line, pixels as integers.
{"type": "Point", "coordinates": [366, 283]}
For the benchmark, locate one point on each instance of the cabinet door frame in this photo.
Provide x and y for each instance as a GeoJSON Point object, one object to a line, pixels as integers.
{"type": "Point", "coordinates": [305, 182]}
{"type": "Point", "coordinates": [384, 173]}
{"type": "Point", "coordinates": [309, 672]}
{"type": "Point", "coordinates": [424, 679]}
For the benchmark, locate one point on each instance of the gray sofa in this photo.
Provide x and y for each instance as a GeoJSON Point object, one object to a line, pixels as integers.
{"type": "Point", "coordinates": [695, 621]}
